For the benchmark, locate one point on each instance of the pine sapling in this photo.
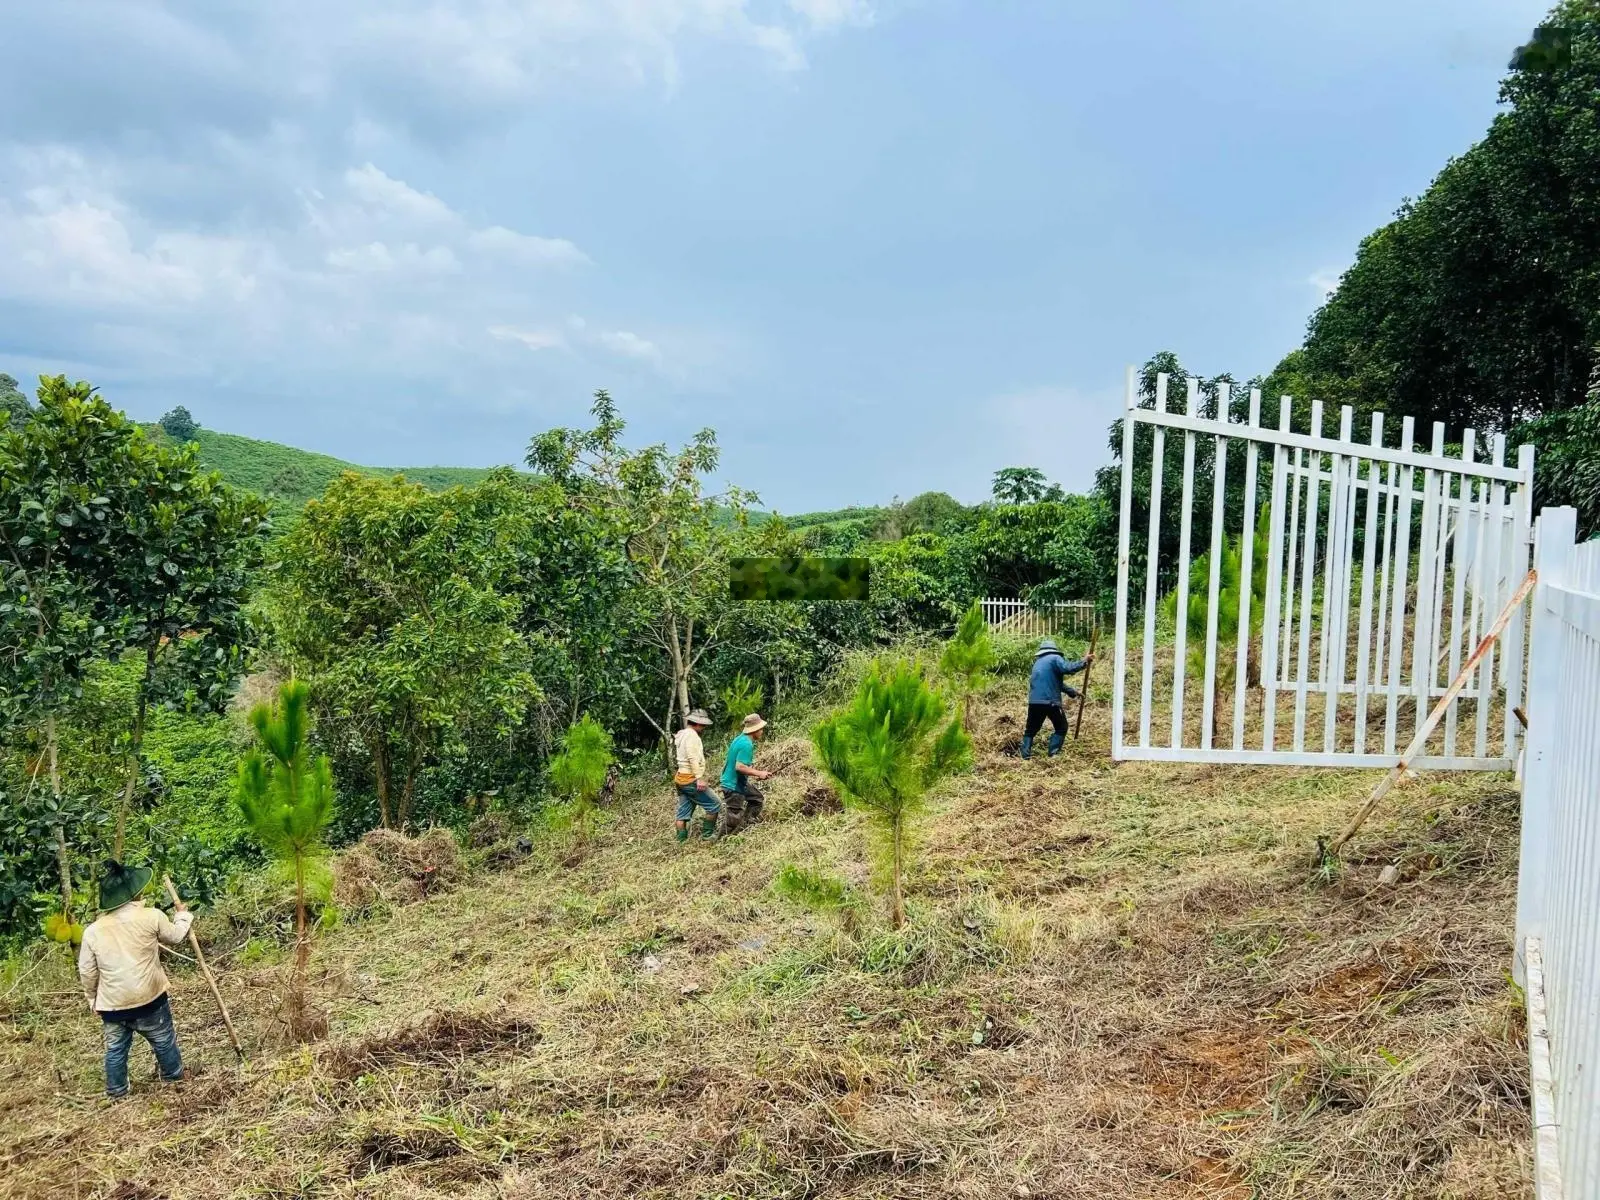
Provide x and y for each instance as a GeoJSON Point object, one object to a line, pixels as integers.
{"type": "Point", "coordinates": [579, 774]}
{"type": "Point", "coordinates": [743, 695]}
{"type": "Point", "coordinates": [286, 797]}
{"type": "Point", "coordinates": [969, 659]}
{"type": "Point", "coordinates": [885, 751]}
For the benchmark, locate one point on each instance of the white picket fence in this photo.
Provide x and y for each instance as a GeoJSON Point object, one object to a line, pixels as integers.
{"type": "Point", "coordinates": [1070, 618]}
{"type": "Point", "coordinates": [1558, 889]}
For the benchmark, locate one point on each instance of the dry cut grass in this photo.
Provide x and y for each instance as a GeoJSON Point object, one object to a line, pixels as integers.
{"type": "Point", "coordinates": [1118, 982]}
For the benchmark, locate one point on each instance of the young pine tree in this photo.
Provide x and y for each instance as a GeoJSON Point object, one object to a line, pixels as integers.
{"type": "Point", "coordinates": [287, 798]}
{"type": "Point", "coordinates": [579, 773]}
{"type": "Point", "coordinates": [969, 659]}
{"type": "Point", "coordinates": [884, 751]}
{"type": "Point", "coordinates": [1230, 592]}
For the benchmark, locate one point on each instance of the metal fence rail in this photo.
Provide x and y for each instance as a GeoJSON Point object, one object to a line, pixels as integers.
{"type": "Point", "coordinates": [1558, 889]}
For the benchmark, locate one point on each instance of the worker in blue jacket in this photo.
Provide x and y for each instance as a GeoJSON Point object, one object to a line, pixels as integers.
{"type": "Point", "coordinates": [1045, 686]}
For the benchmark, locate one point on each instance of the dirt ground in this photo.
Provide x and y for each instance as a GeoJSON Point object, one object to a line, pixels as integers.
{"type": "Point", "coordinates": [1117, 982]}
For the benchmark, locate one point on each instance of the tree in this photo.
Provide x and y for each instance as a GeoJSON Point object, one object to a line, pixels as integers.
{"type": "Point", "coordinates": [676, 538]}
{"type": "Point", "coordinates": [1476, 305]}
{"type": "Point", "coordinates": [969, 659]}
{"type": "Point", "coordinates": [884, 751]}
{"type": "Point", "coordinates": [1020, 485]}
{"type": "Point", "coordinates": [578, 773]}
{"type": "Point", "coordinates": [286, 796]}
{"type": "Point", "coordinates": [179, 425]}
{"type": "Point", "coordinates": [404, 610]}
{"type": "Point", "coordinates": [1567, 468]}
{"type": "Point", "coordinates": [14, 406]}
{"type": "Point", "coordinates": [189, 545]}
{"type": "Point", "coordinates": [741, 697]}
{"type": "Point", "coordinates": [67, 477]}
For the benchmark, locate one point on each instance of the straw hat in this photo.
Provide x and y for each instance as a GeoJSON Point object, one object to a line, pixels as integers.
{"type": "Point", "coordinates": [752, 723]}
{"type": "Point", "coordinates": [699, 717]}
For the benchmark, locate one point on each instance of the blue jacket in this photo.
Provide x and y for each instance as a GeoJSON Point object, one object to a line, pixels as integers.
{"type": "Point", "coordinates": [1048, 680]}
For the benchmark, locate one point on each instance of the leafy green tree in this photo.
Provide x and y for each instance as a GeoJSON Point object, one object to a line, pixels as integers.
{"type": "Point", "coordinates": [287, 799]}
{"type": "Point", "coordinates": [676, 536]}
{"type": "Point", "coordinates": [969, 659]}
{"type": "Point", "coordinates": [65, 481]}
{"type": "Point", "coordinates": [885, 751]}
{"type": "Point", "coordinates": [179, 425]}
{"type": "Point", "coordinates": [578, 773]}
{"type": "Point", "coordinates": [190, 546]}
{"type": "Point", "coordinates": [1567, 468]}
{"type": "Point", "coordinates": [1476, 305]}
{"type": "Point", "coordinates": [1022, 485]}
{"type": "Point", "coordinates": [14, 406]}
{"type": "Point", "coordinates": [403, 609]}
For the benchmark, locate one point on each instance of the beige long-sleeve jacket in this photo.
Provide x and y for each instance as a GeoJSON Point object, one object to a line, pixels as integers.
{"type": "Point", "coordinates": [120, 960]}
{"type": "Point", "coordinates": [690, 752]}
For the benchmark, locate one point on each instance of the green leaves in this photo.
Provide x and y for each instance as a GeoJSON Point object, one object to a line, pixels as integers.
{"type": "Point", "coordinates": [286, 796]}
{"type": "Point", "coordinates": [579, 771]}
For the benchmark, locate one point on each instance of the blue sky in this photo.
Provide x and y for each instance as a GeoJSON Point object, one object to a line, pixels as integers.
{"type": "Point", "coordinates": [881, 246]}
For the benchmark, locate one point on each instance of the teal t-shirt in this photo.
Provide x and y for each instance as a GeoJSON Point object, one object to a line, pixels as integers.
{"type": "Point", "coordinates": [743, 750]}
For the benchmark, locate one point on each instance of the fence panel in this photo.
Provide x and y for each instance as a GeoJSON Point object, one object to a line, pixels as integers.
{"type": "Point", "coordinates": [1558, 885]}
{"type": "Point", "coordinates": [1328, 588]}
{"type": "Point", "coordinates": [1065, 618]}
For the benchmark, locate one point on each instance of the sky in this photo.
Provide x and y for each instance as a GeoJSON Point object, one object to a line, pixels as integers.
{"type": "Point", "coordinates": [880, 246]}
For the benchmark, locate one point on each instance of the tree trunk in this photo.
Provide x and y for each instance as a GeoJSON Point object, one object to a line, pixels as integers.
{"type": "Point", "coordinates": [298, 1018]}
{"type": "Point", "coordinates": [403, 820]}
{"type": "Point", "coordinates": [966, 711]}
{"type": "Point", "coordinates": [63, 861]}
{"type": "Point", "coordinates": [380, 771]}
{"type": "Point", "coordinates": [898, 853]}
{"type": "Point", "coordinates": [134, 750]}
{"type": "Point", "coordinates": [680, 671]}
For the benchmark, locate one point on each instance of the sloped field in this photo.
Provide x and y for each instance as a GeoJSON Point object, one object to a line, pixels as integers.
{"type": "Point", "coordinates": [1118, 982]}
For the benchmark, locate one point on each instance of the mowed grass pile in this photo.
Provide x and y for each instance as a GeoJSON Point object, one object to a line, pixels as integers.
{"type": "Point", "coordinates": [1117, 981]}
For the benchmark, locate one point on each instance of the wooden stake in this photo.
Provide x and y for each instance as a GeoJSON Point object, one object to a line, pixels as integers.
{"type": "Point", "coordinates": [1428, 726]}
{"type": "Point", "coordinates": [1094, 637]}
{"type": "Point", "coordinates": [200, 960]}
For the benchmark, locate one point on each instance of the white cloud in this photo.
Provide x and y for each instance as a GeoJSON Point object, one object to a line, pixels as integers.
{"type": "Point", "coordinates": [629, 345]}
{"type": "Point", "coordinates": [831, 14]}
{"type": "Point", "coordinates": [1326, 281]}
{"type": "Point", "coordinates": [533, 339]}
{"type": "Point", "coordinates": [497, 239]}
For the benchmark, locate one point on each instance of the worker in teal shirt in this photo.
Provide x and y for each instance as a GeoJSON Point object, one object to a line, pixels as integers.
{"type": "Point", "coordinates": [742, 798]}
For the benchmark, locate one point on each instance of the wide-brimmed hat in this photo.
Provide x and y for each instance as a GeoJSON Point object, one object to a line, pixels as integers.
{"type": "Point", "coordinates": [699, 717]}
{"type": "Point", "coordinates": [119, 884]}
{"type": "Point", "coordinates": [1048, 647]}
{"type": "Point", "coordinates": [752, 723]}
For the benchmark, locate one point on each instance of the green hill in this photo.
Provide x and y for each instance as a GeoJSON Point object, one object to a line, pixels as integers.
{"type": "Point", "coordinates": [290, 477]}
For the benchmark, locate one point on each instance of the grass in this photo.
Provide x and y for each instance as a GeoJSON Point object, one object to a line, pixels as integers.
{"type": "Point", "coordinates": [1117, 980]}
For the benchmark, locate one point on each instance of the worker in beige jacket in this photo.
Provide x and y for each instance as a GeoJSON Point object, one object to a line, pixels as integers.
{"type": "Point", "coordinates": [120, 966]}
{"type": "Point", "coordinates": [694, 788]}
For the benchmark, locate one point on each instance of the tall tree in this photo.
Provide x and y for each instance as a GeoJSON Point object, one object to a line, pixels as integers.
{"type": "Point", "coordinates": [14, 406]}
{"type": "Point", "coordinates": [1020, 485]}
{"type": "Point", "coordinates": [179, 425]}
{"type": "Point", "coordinates": [675, 535]}
{"type": "Point", "coordinates": [403, 609]}
{"type": "Point", "coordinates": [66, 479]}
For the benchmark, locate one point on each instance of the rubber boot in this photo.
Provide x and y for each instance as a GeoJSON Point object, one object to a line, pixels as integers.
{"type": "Point", "coordinates": [708, 828]}
{"type": "Point", "coordinates": [1055, 744]}
{"type": "Point", "coordinates": [1027, 747]}
{"type": "Point", "coordinates": [681, 832]}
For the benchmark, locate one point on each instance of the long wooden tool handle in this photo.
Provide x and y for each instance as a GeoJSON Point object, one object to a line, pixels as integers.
{"type": "Point", "coordinates": [200, 959]}
{"type": "Point", "coordinates": [1094, 637]}
{"type": "Point", "coordinates": [1421, 740]}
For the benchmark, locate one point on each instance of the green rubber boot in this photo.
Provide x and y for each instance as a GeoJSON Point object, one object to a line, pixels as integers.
{"type": "Point", "coordinates": [681, 833]}
{"type": "Point", "coordinates": [708, 828]}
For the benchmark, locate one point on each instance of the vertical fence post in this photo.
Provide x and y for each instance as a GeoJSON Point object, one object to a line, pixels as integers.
{"type": "Point", "coordinates": [1124, 532]}
{"type": "Point", "coordinates": [1554, 535]}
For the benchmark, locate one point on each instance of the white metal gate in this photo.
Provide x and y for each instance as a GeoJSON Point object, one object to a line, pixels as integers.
{"type": "Point", "coordinates": [1383, 567]}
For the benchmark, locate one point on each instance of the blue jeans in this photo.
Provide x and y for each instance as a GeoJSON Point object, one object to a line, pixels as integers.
{"type": "Point", "coordinates": [690, 794]}
{"type": "Point", "coordinates": [155, 1026]}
